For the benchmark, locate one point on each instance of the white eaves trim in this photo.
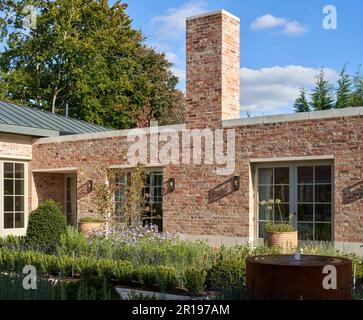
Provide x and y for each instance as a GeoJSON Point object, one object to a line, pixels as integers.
{"type": "Point", "coordinates": [314, 115]}
{"type": "Point", "coordinates": [108, 134]}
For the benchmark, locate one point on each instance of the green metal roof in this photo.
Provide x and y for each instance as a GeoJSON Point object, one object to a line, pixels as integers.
{"type": "Point", "coordinates": [29, 121]}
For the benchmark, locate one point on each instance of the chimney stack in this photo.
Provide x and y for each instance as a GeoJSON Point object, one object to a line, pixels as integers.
{"type": "Point", "coordinates": [213, 69]}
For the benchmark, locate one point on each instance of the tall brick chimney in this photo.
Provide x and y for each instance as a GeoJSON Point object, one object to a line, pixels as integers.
{"type": "Point", "coordinates": [213, 69]}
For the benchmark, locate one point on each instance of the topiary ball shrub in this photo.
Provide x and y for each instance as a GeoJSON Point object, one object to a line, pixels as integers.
{"type": "Point", "coordinates": [227, 278]}
{"type": "Point", "coordinates": [47, 224]}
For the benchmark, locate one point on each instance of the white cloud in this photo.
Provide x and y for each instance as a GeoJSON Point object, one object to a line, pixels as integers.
{"type": "Point", "coordinates": [268, 21]}
{"type": "Point", "coordinates": [269, 90]}
{"type": "Point", "coordinates": [172, 24]}
{"type": "Point", "coordinates": [294, 28]}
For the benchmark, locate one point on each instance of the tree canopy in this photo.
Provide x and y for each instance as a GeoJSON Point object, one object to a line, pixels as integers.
{"type": "Point", "coordinates": [348, 92]}
{"type": "Point", "coordinates": [301, 103]}
{"type": "Point", "coordinates": [84, 53]}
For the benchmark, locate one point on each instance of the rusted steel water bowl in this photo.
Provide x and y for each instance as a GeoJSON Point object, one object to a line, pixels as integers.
{"type": "Point", "coordinates": [282, 277]}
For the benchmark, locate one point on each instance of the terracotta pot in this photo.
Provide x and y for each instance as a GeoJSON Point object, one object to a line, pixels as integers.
{"type": "Point", "coordinates": [88, 227]}
{"type": "Point", "coordinates": [285, 240]}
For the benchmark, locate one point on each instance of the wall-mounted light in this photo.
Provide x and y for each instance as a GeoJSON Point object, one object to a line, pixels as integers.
{"type": "Point", "coordinates": [236, 183]}
{"type": "Point", "coordinates": [89, 186]}
{"type": "Point", "coordinates": [171, 184]}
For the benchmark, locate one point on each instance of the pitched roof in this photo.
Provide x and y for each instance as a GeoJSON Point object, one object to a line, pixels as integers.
{"type": "Point", "coordinates": [34, 122]}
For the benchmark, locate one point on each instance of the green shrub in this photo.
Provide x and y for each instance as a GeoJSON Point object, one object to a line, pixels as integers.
{"type": "Point", "coordinates": [71, 242]}
{"type": "Point", "coordinates": [279, 227]}
{"type": "Point", "coordinates": [195, 280]}
{"type": "Point", "coordinates": [91, 219]}
{"type": "Point", "coordinates": [227, 278]}
{"type": "Point", "coordinates": [46, 225]}
{"type": "Point", "coordinates": [166, 277]}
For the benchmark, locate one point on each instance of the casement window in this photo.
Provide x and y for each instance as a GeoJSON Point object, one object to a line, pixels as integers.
{"type": "Point", "coordinates": [306, 194]}
{"type": "Point", "coordinates": [151, 197]}
{"type": "Point", "coordinates": [13, 198]}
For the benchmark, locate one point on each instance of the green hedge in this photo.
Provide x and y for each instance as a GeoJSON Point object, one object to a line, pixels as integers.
{"type": "Point", "coordinates": [46, 225]}
{"type": "Point", "coordinates": [123, 271]}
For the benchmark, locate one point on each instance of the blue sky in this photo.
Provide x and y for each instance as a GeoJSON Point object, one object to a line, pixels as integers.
{"type": "Point", "coordinates": [283, 43]}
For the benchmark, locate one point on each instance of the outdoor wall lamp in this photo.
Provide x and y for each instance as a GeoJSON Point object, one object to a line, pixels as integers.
{"type": "Point", "coordinates": [236, 183]}
{"type": "Point", "coordinates": [171, 184]}
{"type": "Point", "coordinates": [89, 186]}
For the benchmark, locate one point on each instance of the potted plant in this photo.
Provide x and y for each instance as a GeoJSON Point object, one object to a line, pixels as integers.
{"type": "Point", "coordinates": [280, 234]}
{"type": "Point", "coordinates": [89, 224]}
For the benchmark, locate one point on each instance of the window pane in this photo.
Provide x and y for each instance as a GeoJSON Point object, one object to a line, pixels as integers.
{"type": "Point", "coordinates": [265, 176]}
{"type": "Point", "coordinates": [69, 207]}
{"type": "Point", "coordinates": [305, 212]}
{"type": "Point", "coordinates": [265, 193]}
{"type": "Point", "coordinates": [305, 175]}
{"type": "Point", "coordinates": [19, 220]}
{"type": "Point", "coordinates": [261, 229]}
{"type": "Point", "coordinates": [19, 187]}
{"type": "Point", "coordinates": [284, 212]}
{"type": "Point", "coordinates": [8, 203]}
{"type": "Point", "coordinates": [8, 220]}
{"type": "Point", "coordinates": [8, 187]}
{"type": "Point", "coordinates": [282, 193]}
{"type": "Point", "coordinates": [68, 184]}
{"type": "Point", "coordinates": [19, 170]}
{"type": "Point", "coordinates": [8, 170]}
{"type": "Point", "coordinates": [305, 231]}
{"type": "Point", "coordinates": [323, 212]}
{"type": "Point", "coordinates": [323, 174]}
{"type": "Point", "coordinates": [323, 193]}
{"type": "Point", "coordinates": [264, 213]}
{"type": "Point", "coordinates": [19, 203]}
{"type": "Point", "coordinates": [282, 175]}
{"type": "Point", "coordinates": [323, 231]}
{"type": "Point", "coordinates": [305, 193]}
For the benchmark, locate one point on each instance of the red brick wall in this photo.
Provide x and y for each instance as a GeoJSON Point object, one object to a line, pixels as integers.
{"type": "Point", "coordinates": [213, 67]}
{"type": "Point", "coordinates": [187, 209]}
{"type": "Point", "coordinates": [48, 186]}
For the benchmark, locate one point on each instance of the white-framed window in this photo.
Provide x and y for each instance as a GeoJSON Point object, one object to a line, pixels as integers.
{"type": "Point", "coordinates": [151, 197]}
{"type": "Point", "coordinates": [14, 197]}
{"type": "Point", "coordinates": [306, 193]}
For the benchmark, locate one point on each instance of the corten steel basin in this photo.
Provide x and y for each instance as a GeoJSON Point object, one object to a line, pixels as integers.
{"type": "Point", "coordinates": [281, 277]}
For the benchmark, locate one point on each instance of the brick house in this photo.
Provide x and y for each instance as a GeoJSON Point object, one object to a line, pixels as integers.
{"type": "Point", "coordinates": [312, 162]}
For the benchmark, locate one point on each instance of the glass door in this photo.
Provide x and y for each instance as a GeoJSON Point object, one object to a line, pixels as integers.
{"type": "Point", "coordinates": [70, 199]}
{"type": "Point", "coordinates": [314, 202]}
{"type": "Point", "coordinates": [274, 184]}
{"type": "Point", "coordinates": [301, 194]}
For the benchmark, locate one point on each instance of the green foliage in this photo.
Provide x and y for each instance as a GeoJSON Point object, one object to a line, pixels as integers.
{"type": "Point", "coordinates": [227, 277]}
{"type": "Point", "coordinates": [348, 93]}
{"type": "Point", "coordinates": [46, 225]}
{"type": "Point", "coordinates": [301, 103]}
{"type": "Point", "coordinates": [322, 98]}
{"type": "Point", "coordinates": [195, 279]}
{"type": "Point", "coordinates": [279, 227]}
{"type": "Point", "coordinates": [179, 254]}
{"type": "Point", "coordinates": [356, 99]}
{"type": "Point", "coordinates": [91, 219]}
{"type": "Point", "coordinates": [11, 288]}
{"type": "Point", "coordinates": [96, 62]}
{"type": "Point", "coordinates": [344, 90]}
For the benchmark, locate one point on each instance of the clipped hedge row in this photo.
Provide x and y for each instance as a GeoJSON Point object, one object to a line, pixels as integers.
{"type": "Point", "coordinates": [123, 271]}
